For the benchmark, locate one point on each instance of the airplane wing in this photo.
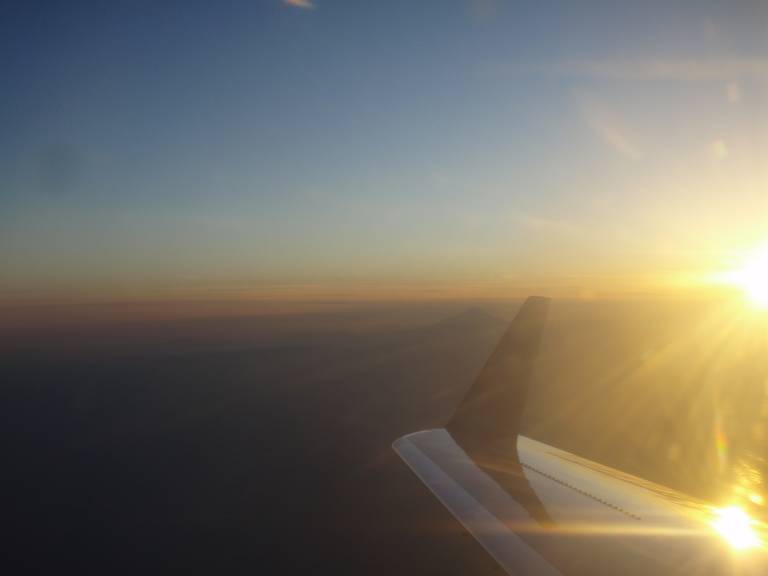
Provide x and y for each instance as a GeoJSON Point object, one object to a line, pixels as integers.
{"type": "Point", "coordinates": [537, 509]}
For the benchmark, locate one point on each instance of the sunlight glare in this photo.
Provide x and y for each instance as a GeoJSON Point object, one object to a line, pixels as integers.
{"type": "Point", "coordinates": [733, 524]}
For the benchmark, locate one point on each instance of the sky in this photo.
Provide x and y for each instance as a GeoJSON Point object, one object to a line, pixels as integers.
{"type": "Point", "coordinates": [345, 149]}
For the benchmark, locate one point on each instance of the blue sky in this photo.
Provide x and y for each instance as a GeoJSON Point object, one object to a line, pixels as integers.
{"type": "Point", "coordinates": [153, 147]}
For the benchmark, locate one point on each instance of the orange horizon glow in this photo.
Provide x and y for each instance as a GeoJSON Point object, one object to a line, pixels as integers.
{"type": "Point", "coordinates": [610, 288]}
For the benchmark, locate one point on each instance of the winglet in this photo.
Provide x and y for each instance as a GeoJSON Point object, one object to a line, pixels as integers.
{"type": "Point", "coordinates": [491, 412]}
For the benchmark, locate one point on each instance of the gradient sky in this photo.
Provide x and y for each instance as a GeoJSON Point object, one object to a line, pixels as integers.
{"type": "Point", "coordinates": [331, 148]}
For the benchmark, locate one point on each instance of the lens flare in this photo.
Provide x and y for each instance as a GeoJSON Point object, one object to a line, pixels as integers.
{"type": "Point", "coordinates": [756, 499]}
{"type": "Point", "coordinates": [735, 525]}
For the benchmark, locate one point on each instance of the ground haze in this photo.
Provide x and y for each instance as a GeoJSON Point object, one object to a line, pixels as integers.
{"type": "Point", "coordinates": [227, 445]}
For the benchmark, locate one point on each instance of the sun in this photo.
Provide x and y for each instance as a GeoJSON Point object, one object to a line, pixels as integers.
{"type": "Point", "coordinates": [752, 278]}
